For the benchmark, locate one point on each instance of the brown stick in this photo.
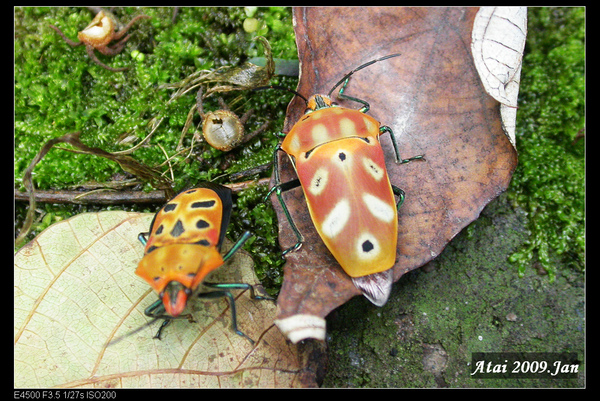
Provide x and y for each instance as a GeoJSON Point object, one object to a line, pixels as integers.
{"type": "Point", "coordinates": [111, 197]}
{"type": "Point", "coordinates": [107, 197]}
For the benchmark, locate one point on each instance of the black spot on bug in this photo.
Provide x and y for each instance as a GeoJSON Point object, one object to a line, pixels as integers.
{"type": "Point", "coordinates": [374, 167]}
{"type": "Point", "coordinates": [169, 207]}
{"type": "Point", "coordinates": [177, 229]}
{"type": "Point", "coordinates": [203, 204]}
{"type": "Point", "coordinates": [367, 246]}
{"type": "Point", "coordinates": [203, 242]}
{"type": "Point", "coordinates": [153, 247]}
{"type": "Point", "coordinates": [159, 230]}
{"type": "Point", "coordinates": [342, 156]}
{"type": "Point", "coordinates": [156, 278]}
{"type": "Point", "coordinates": [191, 191]}
{"type": "Point", "coordinates": [307, 154]}
{"type": "Point", "coordinates": [200, 224]}
{"type": "Point", "coordinates": [367, 140]}
{"type": "Point", "coordinates": [191, 275]}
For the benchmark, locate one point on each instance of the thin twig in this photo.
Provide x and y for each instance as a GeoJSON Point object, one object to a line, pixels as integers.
{"type": "Point", "coordinates": [112, 197]}
{"type": "Point", "coordinates": [168, 160]}
{"type": "Point", "coordinates": [107, 197]}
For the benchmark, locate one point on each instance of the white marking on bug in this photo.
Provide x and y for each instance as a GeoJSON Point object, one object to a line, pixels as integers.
{"type": "Point", "coordinates": [370, 125]}
{"type": "Point", "coordinates": [347, 127]}
{"type": "Point", "coordinates": [378, 208]}
{"type": "Point", "coordinates": [295, 144]}
{"type": "Point", "coordinates": [336, 219]}
{"type": "Point", "coordinates": [319, 181]}
{"type": "Point", "coordinates": [367, 246]}
{"type": "Point", "coordinates": [319, 133]}
{"type": "Point", "coordinates": [373, 169]}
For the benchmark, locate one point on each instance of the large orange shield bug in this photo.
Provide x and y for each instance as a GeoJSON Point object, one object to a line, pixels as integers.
{"type": "Point", "coordinates": [183, 246]}
{"type": "Point", "coordinates": [341, 167]}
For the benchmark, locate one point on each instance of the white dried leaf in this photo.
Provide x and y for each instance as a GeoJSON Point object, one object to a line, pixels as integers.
{"type": "Point", "coordinates": [498, 40]}
{"type": "Point", "coordinates": [75, 291]}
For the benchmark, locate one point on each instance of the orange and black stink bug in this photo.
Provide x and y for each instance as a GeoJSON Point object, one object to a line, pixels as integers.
{"type": "Point", "coordinates": [341, 167]}
{"type": "Point", "coordinates": [183, 246]}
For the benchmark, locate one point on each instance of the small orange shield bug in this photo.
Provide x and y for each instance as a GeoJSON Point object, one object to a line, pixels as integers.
{"type": "Point", "coordinates": [340, 165]}
{"type": "Point", "coordinates": [183, 246]}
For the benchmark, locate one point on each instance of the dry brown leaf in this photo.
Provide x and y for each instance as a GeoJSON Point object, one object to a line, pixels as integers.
{"type": "Point", "coordinates": [433, 99]}
{"type": "Point", "coordinates": [75, 290]}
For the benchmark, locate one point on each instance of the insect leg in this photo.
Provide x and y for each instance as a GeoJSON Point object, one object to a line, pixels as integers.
{"type": "Point", "coordinates": [278, 188]}
{"type": "Point", "coordinates": [157, 310]}
{"type": "Point", "coordinates": [239, 286]}
{"type": "Point", "coordinates": [286, 186]}
{"type": "Point", "coordinates": [229, 296]}
{"type": "Point", "coordinates": [400, 194]}
{"type": "Point", "coordinates": [164, 324]}
{"type": "Point", "coordinates": [240, 242]}
{"type": "Point", "coordinates": [143, 238]}
{"type": "Point", "coordinates": [341, 95]}
{"type": "Point", "coordinates": [382, 130]}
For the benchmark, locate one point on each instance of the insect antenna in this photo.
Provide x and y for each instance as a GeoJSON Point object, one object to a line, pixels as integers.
{"type": "Point", "coordinates": [360, 68]}
{"type": "Point", "coordinates": [281, 88]}
{"type": "Point", "coordinates": [140, 328]}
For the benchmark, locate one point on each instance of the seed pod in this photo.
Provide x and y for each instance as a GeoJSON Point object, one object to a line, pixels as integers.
{"type": "Point", "coordinates": [222, 129]}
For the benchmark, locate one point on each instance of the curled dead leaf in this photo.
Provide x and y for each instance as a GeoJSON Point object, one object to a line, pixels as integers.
{"type": "Point", "coordinates": [498, 41]}
{"type": "Point", "coordinates": [75, 291]}
{"type": "Point", "coordinates": [433, 99]}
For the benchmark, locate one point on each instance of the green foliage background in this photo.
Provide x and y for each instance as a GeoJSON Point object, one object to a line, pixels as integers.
{"type": "Point", "coordinates": [549, 183]}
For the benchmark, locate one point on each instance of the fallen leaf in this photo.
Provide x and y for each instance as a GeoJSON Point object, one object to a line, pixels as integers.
{"type": "Point", "coordinates": [75, 291]}
{"type": "Point", "coordinates": [433, 99]}
{"type": "Point", "coordinates": [499, 35]}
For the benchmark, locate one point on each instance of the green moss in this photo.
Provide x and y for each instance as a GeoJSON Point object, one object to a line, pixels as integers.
{"type": "Point", "coordinates": [59, 89]}
{"type": "Point", "coordinates": [252, 213]}
{"type": "Point", "coordinates": [549, 182]}
{"type": "Point", "coordinates": [467, 300]}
